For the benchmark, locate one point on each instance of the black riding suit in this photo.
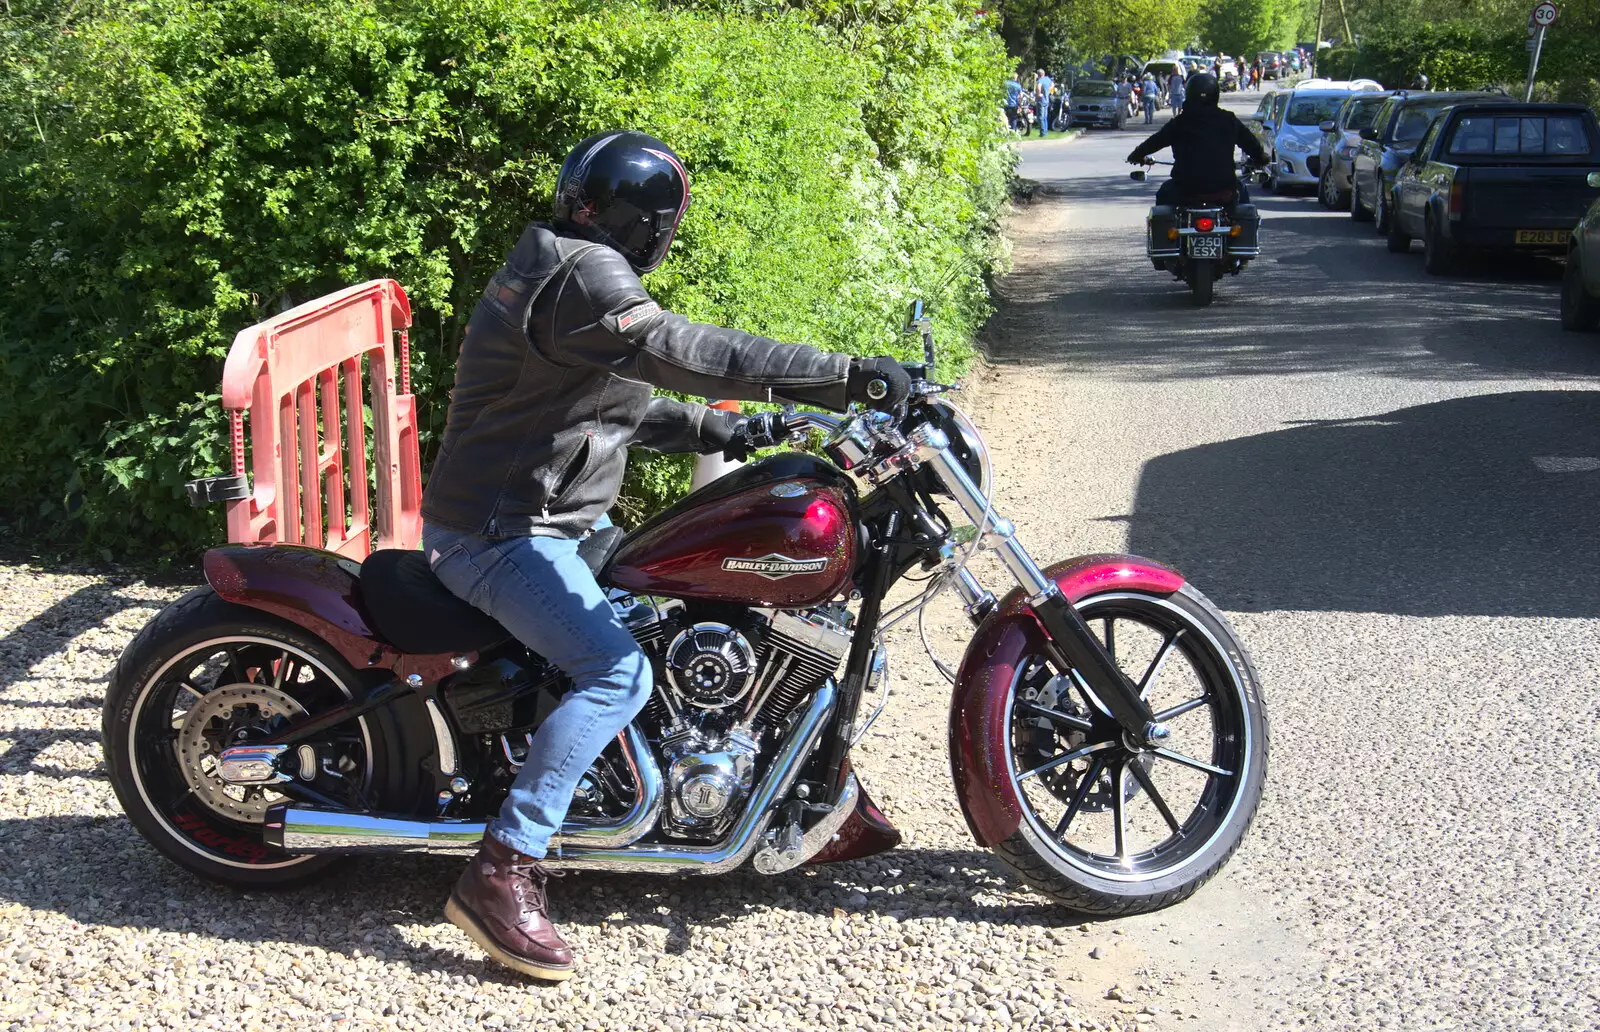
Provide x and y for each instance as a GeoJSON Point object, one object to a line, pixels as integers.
{"type": "Point", "coordinates": [1202, 139]}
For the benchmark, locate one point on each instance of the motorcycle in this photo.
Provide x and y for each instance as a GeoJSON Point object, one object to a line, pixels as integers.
{"type": "Point", "coordinates": [1200, 243]}
{"type": "Point", "coordinates": [1107, 733]}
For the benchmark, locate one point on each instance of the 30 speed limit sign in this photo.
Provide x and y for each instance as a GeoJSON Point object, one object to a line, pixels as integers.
{"type": "Point", "coordinates": [1545, 14]}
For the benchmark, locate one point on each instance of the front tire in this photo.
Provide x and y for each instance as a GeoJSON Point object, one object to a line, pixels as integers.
{"type": "Point", "coordinates": [1202, 282]}
{"type": "Point", "coordinates": [1438, 257]}
{"type": "Point", "coordinates": [207, 673]}
{"type": "Point", "coordinates": [1396, 239]}
{"type": "Point", "coordinates": [1357, 210]}
{"type": "Point", "coordinates": [1200, 807]}
{"type": "Point", "coordinates": [1579, 310]}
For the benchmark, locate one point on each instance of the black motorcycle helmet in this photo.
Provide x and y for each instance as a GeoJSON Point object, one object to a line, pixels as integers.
{"type": "Point", "coordinates": [1201, 91]}
{"type": "Point", "coordinates": [626, 190]}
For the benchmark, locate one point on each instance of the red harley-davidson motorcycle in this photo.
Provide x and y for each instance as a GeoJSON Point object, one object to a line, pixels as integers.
{"type": "Point", "coordinates": [1107, 733]}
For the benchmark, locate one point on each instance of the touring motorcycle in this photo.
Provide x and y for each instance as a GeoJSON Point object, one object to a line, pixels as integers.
{"type": "Point", "coordinates": [1199, 243]}
{"type": "Point", "coordinates": [1107, 736]}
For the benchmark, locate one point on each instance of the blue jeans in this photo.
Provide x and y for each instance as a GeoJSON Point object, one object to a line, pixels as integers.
{"type": "Point", "coordinates": [543, 593]}
{"type": "Point", "coordinates": [1044, 119]}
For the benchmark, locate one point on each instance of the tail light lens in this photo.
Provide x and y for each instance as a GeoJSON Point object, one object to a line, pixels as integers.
{"type": "Point", "coordinates": [1204, 224]}
{"type": "Point", "coordinates": [1458, 200]}
{"type": "Point", "coordinates": [1172, 233]}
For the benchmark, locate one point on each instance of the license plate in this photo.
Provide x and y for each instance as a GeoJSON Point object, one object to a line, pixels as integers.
{"type": "Point", "coordinates": [1205, 247]}
{"type": "Point", "coordinates": [1541, 236]}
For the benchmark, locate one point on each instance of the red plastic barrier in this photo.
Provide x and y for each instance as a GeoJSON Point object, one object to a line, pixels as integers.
{"type": "Point", "coordinates": [300, 378]}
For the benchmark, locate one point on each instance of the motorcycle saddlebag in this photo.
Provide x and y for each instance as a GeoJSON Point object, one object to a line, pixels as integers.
{"type": "Point", "coordinates": [1161, 219]}
{"type": "Point", "coordinates": [1248, 243]}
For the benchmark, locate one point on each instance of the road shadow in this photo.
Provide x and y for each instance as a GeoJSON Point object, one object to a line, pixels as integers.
{"type": "Point", "coordinates": [1481, 505]}
{"type": "Point", "coordinates": [101, 873]}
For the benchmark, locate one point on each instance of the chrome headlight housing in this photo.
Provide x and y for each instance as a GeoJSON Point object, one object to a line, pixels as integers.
{"type": "Point", "coordinates": [965, 442]}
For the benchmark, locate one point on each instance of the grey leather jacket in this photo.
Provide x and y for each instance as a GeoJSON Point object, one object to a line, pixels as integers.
{"type": "Point", "coordinates": [554, 382]}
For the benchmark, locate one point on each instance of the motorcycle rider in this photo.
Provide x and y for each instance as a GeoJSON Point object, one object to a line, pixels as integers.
{"type": "Point", "coordinates": [552, 385]}
{"type": "Point", "coordinates": [1202, 137]}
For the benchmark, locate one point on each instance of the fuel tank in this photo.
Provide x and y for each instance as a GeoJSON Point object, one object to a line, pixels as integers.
{"type": "Point", "coordinates": [780, 533]}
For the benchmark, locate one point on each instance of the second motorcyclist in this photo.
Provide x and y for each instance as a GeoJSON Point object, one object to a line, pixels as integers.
{"type": "Point", "coordinates": [1202, 137]}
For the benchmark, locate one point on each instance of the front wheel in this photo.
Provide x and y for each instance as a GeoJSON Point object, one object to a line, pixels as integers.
{"type": "Point", "coordinates": [1202, 281]}
{"type": "Point", "coordinates": [206, 674]}
{"type": "Point", "coordinates": [1111, 827]}
{"type": "Point", "coordinates": [1579, 311]}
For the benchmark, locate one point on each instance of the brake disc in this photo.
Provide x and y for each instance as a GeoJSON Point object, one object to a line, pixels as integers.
{"type": "Point", "coordinates": [214, 723]}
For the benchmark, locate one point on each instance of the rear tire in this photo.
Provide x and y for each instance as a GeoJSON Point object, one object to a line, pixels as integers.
{"type": "Point", "coordinates": [157, 763]}
{"type": "Point", "coordinates": [1357, 211]}
{"type": "Point", "coordinates": [1580, 311]}
{"type": "Point", "coordinates": [1396, 239]}
{"type": "Point", "coordinates": [1383, 216]}
{"type": "Point", "coordinates": [1173, 869]}
{"type": "Point", "coordinates": [1438, 257]}
{"type": "Point", "coordinates": [1202, 282]}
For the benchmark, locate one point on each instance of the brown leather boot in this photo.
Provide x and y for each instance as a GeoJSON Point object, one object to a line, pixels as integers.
{"type": "Point", "coordinates": [500, 902]}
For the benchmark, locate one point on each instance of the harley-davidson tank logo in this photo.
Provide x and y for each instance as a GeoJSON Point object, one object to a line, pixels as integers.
{"type": "Point", "coordinates": [775, 567]}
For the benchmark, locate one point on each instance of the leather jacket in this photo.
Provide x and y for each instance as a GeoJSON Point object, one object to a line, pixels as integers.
{"type": "Point", "coordinates": [554, 383]}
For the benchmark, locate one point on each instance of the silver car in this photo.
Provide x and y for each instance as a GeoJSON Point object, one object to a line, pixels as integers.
{"type": "Point", "coordinates": [1341, 138]}
{"type": "Point", "coordinates": [1297, 137]}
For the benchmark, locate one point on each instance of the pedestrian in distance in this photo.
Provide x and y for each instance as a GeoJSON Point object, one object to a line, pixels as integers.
{"type": "Point", "coordinates": [1175, 91]}
{"type": "Point", "coordinates": [1042, 86]}
{"type": "Point", "coordinates": [1147, 96]}
{"type": "Point", "coordinates": [1013, 99]}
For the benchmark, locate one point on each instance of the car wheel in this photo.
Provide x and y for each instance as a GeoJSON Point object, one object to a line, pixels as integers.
{"type": "Point", "coordinates": [1580, 310]}
{"type": "Point", "coordinates": [1381, 218]}
{"type": "Point", "coordinates": [1273, 186]}
{"type": "Point", "coordinates": [1358, 210]}
{"type": "Point", "coordinates": [1438, 257]}
{"type": "Point", "coordinates": [1326, 193]}
{"type": "Point", "coordinates": [1396, 238]}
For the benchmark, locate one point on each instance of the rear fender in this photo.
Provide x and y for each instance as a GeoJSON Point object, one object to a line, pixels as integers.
{"type": "Point", "coordinates": [317, 590]}
{"type": "Point", "coordinates": [978, 743]}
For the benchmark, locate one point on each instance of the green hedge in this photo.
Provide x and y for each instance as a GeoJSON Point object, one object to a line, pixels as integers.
{"type": "Point", "coordinates": [175, 170]}
{"type": "Point", "coordinates": [1458, 56]}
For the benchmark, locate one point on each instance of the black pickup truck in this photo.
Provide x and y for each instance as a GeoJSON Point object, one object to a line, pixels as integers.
{"type": "Point", "coordinates": [1496, 177]}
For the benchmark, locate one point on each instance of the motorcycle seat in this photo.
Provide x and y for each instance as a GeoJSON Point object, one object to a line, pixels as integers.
{"type": "Point", "coordinates": [1217, 197]}
{"type": "Point", "coordinates": [418, 615]}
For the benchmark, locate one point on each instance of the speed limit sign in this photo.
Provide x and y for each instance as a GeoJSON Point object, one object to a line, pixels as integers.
{"type": "Point", "coordinates": [1545, 14]}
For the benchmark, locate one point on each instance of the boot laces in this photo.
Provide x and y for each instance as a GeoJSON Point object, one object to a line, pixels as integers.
{"type": "Point", "coordinates": [531, 878]}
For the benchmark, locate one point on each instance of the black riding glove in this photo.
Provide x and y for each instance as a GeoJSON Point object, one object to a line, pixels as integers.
{"type": "Point", "coordinates": [878, 383]}
{"type": "Point", "coordinates": [719, 432]}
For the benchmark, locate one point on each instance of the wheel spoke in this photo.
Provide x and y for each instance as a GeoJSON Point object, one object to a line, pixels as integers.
{"type": "Point", "coordinates": [1119, 811]}
{"type": "Point", "coordinates": [285, 665]}
{"type": "Point", "coordinates": [1190, 761]}
{"type": "Point", "coordinates": [1084, 788]}
{"type": "Point", "coordinates": [1154, 670]}
{"type": "Point", "coordinates": [1066, 757]}
{"type": "Point", "coordinates": [1111, 637]}
{"type": "Point", "coordinates": [1149, 786]}
{"type": "Point", "coordinates": [1182, 708]}
{"type": "Point", "coordinates": [1076, 723]}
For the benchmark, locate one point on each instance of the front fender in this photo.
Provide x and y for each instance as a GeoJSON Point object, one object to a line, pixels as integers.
{"type": "Point", "coordinates": [1006, 637]}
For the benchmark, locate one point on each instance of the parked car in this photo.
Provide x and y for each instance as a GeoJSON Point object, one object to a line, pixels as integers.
{"type": "Point", "coordinates": [1496, 177]}
{"type": "Point", "coordinates": [1094, 102]}
{"type": "Point", "coordinates": [1163, 68]}
{"type": "Point", "coordinates": [1389, 141]}
{"type": "Point", "coordinates": [1272, 64]}
{"type": "Point", "coordinates": [1266, 118]}
{"type": "Point", "coordinates": [1341, 138]}
{"type": "Point", "coordinates": [1297, 136]}
{"type": "Point", "coordinates": [1580, 286]}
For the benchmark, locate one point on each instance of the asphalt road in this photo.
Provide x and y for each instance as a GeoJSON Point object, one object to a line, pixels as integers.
{"type": "Point", "coordinates": [1390, 482]}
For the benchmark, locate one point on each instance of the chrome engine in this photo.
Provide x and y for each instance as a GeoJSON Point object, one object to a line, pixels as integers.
{"type": "Point", "coordinates": [722, 695]}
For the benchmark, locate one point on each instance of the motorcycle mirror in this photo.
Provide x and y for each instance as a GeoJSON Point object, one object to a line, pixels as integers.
{"type": "Point", "coordinates": [1594, 180]}
{"type": "Point", "coordinates": [914, 316]}
{"type": "Point", "coordinates": [1138, 175]}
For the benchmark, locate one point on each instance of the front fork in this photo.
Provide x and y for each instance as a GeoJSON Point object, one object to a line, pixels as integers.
{"type": "Point", "coordinates": [1073, 646]}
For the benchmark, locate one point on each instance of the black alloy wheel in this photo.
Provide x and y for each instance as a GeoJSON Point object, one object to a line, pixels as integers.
{"type": "Point", "coordinates": [1580, 310]}
{"type": "Point", "coordinates": [1113, 827]}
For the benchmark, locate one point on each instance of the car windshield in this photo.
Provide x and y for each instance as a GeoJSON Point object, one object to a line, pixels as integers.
{"type": "Point", "coordinates": [1095, 89]}
{"type": "Point", "coordinates": [1413, 122]}
{"type": "Point", "coordinates": [1313, 110]}
{"type": "Point", "coordinates": [1363, 113]}
{"type": "Point", "coordinates": [1554, 135]}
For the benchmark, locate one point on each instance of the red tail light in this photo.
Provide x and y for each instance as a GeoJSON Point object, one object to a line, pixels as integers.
{"type": "Point", "coordinates": [1205, 225]}
{"type": "Point", "coordinates": [1458, 200]}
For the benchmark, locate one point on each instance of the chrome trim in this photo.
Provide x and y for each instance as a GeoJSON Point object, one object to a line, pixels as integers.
{"type": "Point", "coordinates": [443, 740]}
{"type": "Point", "coordinates": [877, 680]}
{"type": "Point", "coordinates": [299, 829]}
{"type": "Point", "coordinates": [252, 765]}
{"type": "Point", "coordinates": [771, 858]}
{"type": "Point", "coordinates": [978, 509]}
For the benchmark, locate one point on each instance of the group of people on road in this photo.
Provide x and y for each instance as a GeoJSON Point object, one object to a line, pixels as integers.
{"type": "Point", "coordinates": [1036, 102]}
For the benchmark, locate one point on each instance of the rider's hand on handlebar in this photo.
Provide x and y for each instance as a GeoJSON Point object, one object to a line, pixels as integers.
{"type": "Point", "coordinates": [878, 383]}
{"type": "Point", "coordinates": [762, 430]}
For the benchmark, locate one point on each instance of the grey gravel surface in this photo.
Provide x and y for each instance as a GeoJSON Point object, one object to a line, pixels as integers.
{"type": "Point", "coordinates": [1393, 501]}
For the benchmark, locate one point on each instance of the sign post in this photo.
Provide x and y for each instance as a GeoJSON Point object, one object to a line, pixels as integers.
{"type": "Point", "coordinates": [1544, 16]}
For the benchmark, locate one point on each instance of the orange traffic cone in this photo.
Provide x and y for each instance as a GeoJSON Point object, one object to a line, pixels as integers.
{"type": "Point", "coordinates": [709, 467]}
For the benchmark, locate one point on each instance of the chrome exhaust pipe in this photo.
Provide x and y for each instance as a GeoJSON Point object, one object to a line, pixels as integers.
{"type": "Point", "coordinates": [305, 829]}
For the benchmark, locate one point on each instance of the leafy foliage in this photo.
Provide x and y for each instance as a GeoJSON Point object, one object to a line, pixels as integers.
{"type": "Point", "coordinates": [175, 170]}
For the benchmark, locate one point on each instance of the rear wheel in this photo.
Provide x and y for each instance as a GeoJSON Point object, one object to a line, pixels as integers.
{"type": "Point", "coordinates": [1579, 309]}
{"type": "Point", "coordinates": [206, 674]}
{"type": "Point", "coordinates": [1357, 210]}
{"type": "Point", "coordinates": [1202, 281]}
{"type": "Point", "coordinates": [1383, 214]}
{"type": "Point", "coordinates": [1438, 257]}
{"type": "Point", "coordinates": [1396, 238]}
{"type": "Point", "coordinates": [1110, 828]}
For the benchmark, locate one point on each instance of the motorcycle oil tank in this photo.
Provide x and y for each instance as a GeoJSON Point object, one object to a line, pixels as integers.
{"type": "Point", "coordinates": [779, 533]}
